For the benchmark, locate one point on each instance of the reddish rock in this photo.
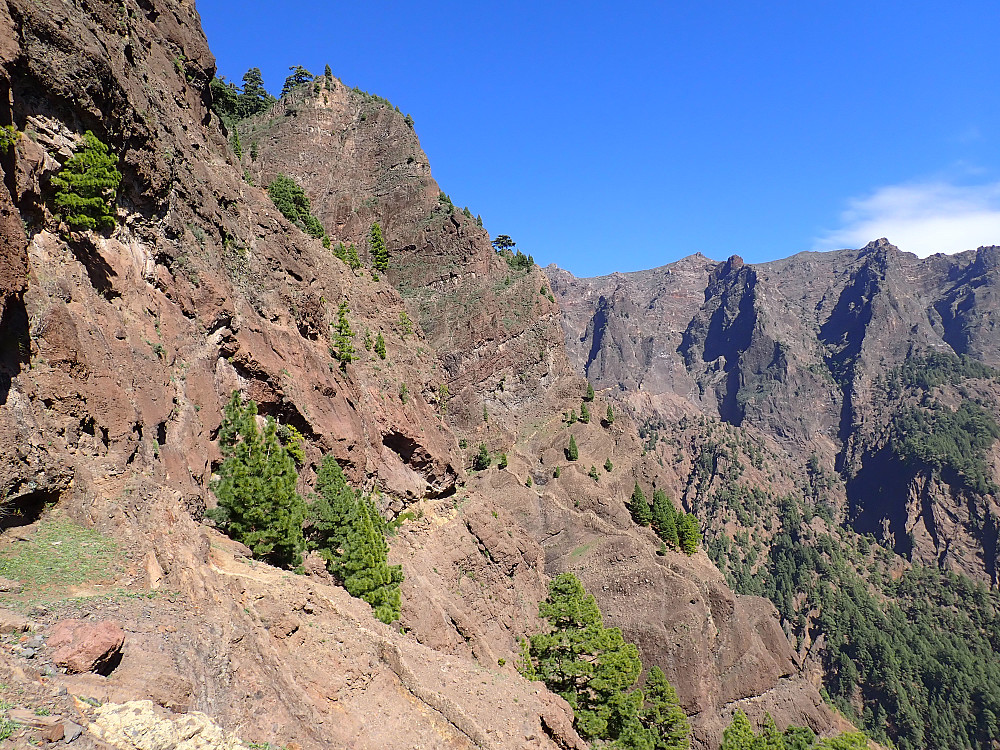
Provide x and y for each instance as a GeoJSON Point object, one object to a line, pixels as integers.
{"type": "Point", "coordinates": [86, 647]}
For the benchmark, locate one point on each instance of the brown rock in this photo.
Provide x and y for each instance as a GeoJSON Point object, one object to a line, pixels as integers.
{"type": "Point", "coordinates": [86, 647]}
{"type": "Point", "coordinates": [154, 573]}
{"type": "Point", "coordinates": [11, 622]}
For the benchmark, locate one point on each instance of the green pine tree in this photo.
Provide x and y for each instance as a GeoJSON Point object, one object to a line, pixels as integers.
{"type": "Point", "coordinates": [609, 418]}
{"type": "Point", "coordinates": [590, 393]}
{"type": "Point", "coordinates": [380, 346]}
{"type": "Point", "coordinates": [353, 260]}
{"type": "Point", "coordinates": [739, 735]}
{"type": "Point", "coordinates": [581, 660]}
{"type": "Point", "coordinates": [482, 459]}
{"type": "Point", "coordinates": [363, 566]}
{"type": "Point", "coordinates": [405, 324]}
{"type": "Point", "coordinates": [293, 203]}
{"type": "Point", "coordinates": [608, 466]}
{"type": "Point", "coordinates": [770, 738]}
{"type": "Point", "coordinates": [254, 97]}
{"type": "Point", "coordinates": [258, 504]}
{"type": "Point", "coordinates": [662, 713]}
{"type": "Point", "coordinates": [572, 453]}
{"type": "Point", "coordinates": [665, 518]}
{"type": "Point", "coordinates": [688, 534]}
{"type": "Point", "coordinates": [593, 474]}
{"type": "Point", "coordinates": [380, 255]}
{"type": "Point", "coordinates": [330, 512]}
{"type": "Point", "coordinates": [342, 348]}
{"type": "Point", "coordinates": [502, 463]}
{"type": "Point", "coordinates": [639, 508]}
{"type": "Point", "coordinates": [584, 413]}
{"type": "Point", "coordinates": [299, 76]}
{"type": "Point", "coordinates": [86, 186]}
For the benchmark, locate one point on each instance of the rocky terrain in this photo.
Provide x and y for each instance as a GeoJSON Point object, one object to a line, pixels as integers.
{"type": "Point", "coordinates": [119, 349]}
{"type": "Point", "coordinates": [127, 618]}
{"type": "Point", "coordinates": [798, 351]}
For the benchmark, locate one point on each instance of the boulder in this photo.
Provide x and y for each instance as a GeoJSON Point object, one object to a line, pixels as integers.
{"type": "Point", "coordinates": [82, 646]}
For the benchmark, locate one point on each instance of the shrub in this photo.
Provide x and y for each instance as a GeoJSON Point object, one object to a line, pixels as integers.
{"type": "Point", "coordinates": [293, 203]}
{"type": "Point", "coordinates": [9, 135]}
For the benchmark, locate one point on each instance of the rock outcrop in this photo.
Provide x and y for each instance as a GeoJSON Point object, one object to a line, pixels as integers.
{"type": "Point", "coordinates": [795, 351]}
{"type": "Point", "coordinates": [119, 349]}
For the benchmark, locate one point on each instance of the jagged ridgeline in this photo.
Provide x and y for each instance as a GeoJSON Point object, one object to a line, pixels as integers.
{"type": "Point", "coordinates": [428, 461]}
{"type": "Point", "coordinates": [848, 476]}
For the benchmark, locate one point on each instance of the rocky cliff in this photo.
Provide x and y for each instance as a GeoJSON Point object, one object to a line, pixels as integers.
{"type": "Point", "coordinates": [799, 351]}
{"type": "Point", "coordinates": [119, 348]}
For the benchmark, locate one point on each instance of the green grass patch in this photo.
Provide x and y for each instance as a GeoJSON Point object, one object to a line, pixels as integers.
{"type": "Point", "coordinates": [58, 555]}
{"type": "Point", "coordinates": [580, 551]}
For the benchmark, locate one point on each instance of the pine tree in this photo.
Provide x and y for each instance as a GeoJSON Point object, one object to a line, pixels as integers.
{"type": "Point", "coordinates": [572, 453]}
{"type": "Point", "coordinates": [639, 508]}
{"type": "Point", "coordinates": [502, 463]}
{"type": "Point", "coordinates": [258, 504]}
{"type": "Point", "coordinates": [254, 97]}
{"type": "Point", "coordinates": [770, 738]}
{"type": "Point", "coordinates": [665, 518]}
{"type": "Point", "coordinates": [688, 534]}
{"type": "Point", "coordinates": [86, 186]}
{"type": "Point", "coordinates": [739, 735]}
{"type": "Point", "coordinates": [299, 76]}
{"type": "Point", "coordinates": [363, 566]}
{"type": "Point", "coordinates": [482, 460]}
{"type": "Point", "coordinates": [328, 75]}
{"type": "Point", "coordinates": [590, 393]}
{"type": "Point", "coordinates": [405, 324]}
{"type": "Point", "coordinates": [608, 466]}
{"type": "Point", "coordinates": [581, 660]}
{"type": "Point", "coordinates": [662, 713]}
{"type": "Point", "coordinates": [524, 665]}
{"type": "Point", "coordinates": [610, 417]}
{"type": "Point", "coordinates": [380, 255]}
{"type": "Point", "coordinates": [593, 474]}
{"type": "Point", "coordinates": [330, 512]}
{"type": "Point", "coordinates": [293, 203]}
{"type": "Point", "coordinates": [380, 346]}
{"type": "Point", "coordinates": [584, 413]}
{"type": "Point", "coordinates": [342, 348]}
{"type": "Point", "coordinates": [353, 261]}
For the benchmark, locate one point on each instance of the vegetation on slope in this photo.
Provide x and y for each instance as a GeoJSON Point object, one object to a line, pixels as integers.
{"type": "Point", "coordinates": [259, 506]}
{"type": "Point", "coordinates": [595, 670]}
{"type": "Point", "coordinates": [913, 661]}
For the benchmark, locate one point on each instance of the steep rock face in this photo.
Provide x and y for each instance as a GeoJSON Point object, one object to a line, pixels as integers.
{"type": "Point", "coordinates": [360, 161]}
{"type": "Point", "coordinates": [128, 343]}
{"type": "Point", "coordinates": [722, 651]}
{"type": "Point", "coordinates": [797, 350]}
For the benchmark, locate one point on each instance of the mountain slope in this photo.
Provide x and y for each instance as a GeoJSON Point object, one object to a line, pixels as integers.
{"type": "Point", "coordinates": [119, 349]}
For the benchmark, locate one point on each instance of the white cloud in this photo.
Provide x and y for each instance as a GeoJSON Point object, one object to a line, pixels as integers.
{"type": "Point", "coordinates": [922, 218]}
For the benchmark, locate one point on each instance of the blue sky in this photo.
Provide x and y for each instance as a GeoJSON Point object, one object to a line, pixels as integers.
{"type": "Point", "coordinates": [620, 136]}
